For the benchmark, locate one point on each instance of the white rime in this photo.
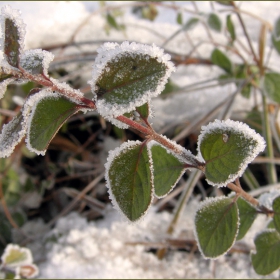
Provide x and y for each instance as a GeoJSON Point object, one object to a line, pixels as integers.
{"type": "Point", "coordinates": [234, 127]}
{"type": "Point", "coordinates": [13, 15]}
{"type": "Point", "coordinates": [32, 59]}
{"type": "Point", "coordinates": [113, 51]}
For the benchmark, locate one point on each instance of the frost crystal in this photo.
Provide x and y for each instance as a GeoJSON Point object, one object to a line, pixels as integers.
{"type": "Point", "coordinates": [36, 61]}
{"type": "Point", "coordinates": [29, 109]}
{"type": "Point", "coordinates": [239, 128]}
{"type": "Point", "coordinates": [111, 157]}
{"type": "Point", "coordinates": [3, 86]}
{"type": "Point", "coordinates": [68, 90]}
{"type": "Point", "coordinates": [24, 256]}
{"type": "Point", "coordinates": [114, 53]}
{"type": "Point", "coordinates": [11, 135]}
{"type": "Point", "coordinates": [207, 203]}
{"type": "Point", "coordinates": [8, 13]}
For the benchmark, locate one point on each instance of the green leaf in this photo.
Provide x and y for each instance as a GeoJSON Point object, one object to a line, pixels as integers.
{"type": "Point", "coordinates": [227, 148]}
{"type": "Point", "coordinates": [220, 59]}
{"type": "Point", "coordinates": [271, 225]}
{"type": "Point", "coordinates": [216, 224]}
{"type": "Point", "coordinates": [179, 18]}
{"type": "Point", "coordinates": [4, 76]}
{"type": "Point", "coordinates": [170, 87]}
{"type": "Point", "coordinates": [267, 256]}
{"type": "Point", "coordinates": [225, 2]}
{"type": "Point", "coordinates": [112, 21]}
{"type": "Point", "coordinates": [276, 44]}
{"type": "Point", "coordinates": [247, 215]}
{"type": "Point", "coordinates": [230, 28]}
{"type": "Point", "coordinates": [6, 231]}
{"type": "Point", "coordinates": [15, 256]}
{"type": "Point", "coordinates": [191, 23]}
{"type": "Point", "coordinates": [11, 42]}
{"type": "Point", "coordinates": [240, 72]}
{"type": "Point", "coordinates": [129, 179]}
{"type": "Point", "coordinates": [276, 30]}
{"type": "Point", "coordinates": [150, 12]}
{"type": "Point", "coordinates": [19, 217]}
{"type": "Point", "coordinates": [271, 86]}
{"type": "Point", "coordinates": [36, 61]}
{"type": "Point", "coordinates": [12, 188]}
{"type": "Point", "coordinates": [128, 75]}
{"type": "Point", "coordinates": [276, 209]}
{"type": "Point", "coordinates": [11, 135]}
{"type": "Point", "coordinates": [214, 22]}
{"type": "Point", "coordinates": [143, 111]}
{"type": "Point", "coordinates": [49, 113]}
{"type": "Point", "coordinates": [167, 170]}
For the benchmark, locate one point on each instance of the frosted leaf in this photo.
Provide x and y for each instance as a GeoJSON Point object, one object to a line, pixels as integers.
{"type": "Point", "coordinates": [4, 84]}
{"type": "Point", "coordinates": [49, 110]}
{"type": "Point", "coordinates": [11, 22]}
{"type": "Point", "coordinates": [133, 115]}
{"type": "Point", "coordinates": [12, 133]}
{"type": "Point", "coordinates": [228, 147]}
{"type": "Point", "coordinates": [128, 75]}
{"type": "Point", "coordinates": [36, 61]}
{"type": "Point", "coordinates": [27, 271]}
{"type": "Point", "coordinates": [216, 226]}
{"type": "Point", "coordinates": [167, 168]}
{"type": "Point", "coordinates": [181, 153]}
{"type": "Point", "coordinates": [68, 90]}
{"type": "Point", "coordinates": [129, 179]}
{"type": "Point", "coordinates": [15, 255]}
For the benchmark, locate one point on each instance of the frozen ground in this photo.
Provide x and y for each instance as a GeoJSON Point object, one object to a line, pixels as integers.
{"type": "Point", "coordinates": [76, 248]}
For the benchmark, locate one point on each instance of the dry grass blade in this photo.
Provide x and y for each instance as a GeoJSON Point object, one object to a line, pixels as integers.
{"type": "Point", "coordinates": [72, 204]}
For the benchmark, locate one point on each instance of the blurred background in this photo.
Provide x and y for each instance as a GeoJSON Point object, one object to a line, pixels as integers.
{"type": "Point", "coordinates": [58, 205]}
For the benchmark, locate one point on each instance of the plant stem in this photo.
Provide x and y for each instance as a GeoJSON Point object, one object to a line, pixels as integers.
{"type": "Point", "coordinates": [5, 207]}
{"type": "Point", "coordinates": [272, 176]}
{"type": "Point", "coordinates": [191, 160]}
{"type": "Point", "coordinates": [152, 135]}
{"type": "Point", "coordinates": [242, 193]}
{"type": "Point", "coordinates": [185, 196]}
{"type": "Point", "coordinates": [245, 32]}
{"type": "Point", "coordinates": [190, 184]}
{"type": "Point", "coordinates": [68, 92]}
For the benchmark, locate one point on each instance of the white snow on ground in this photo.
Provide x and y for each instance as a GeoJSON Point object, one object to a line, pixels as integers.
{"type": "Point", "coordinates": [99, 249]}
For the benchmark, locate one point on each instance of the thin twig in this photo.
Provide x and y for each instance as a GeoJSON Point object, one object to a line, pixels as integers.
{"type": "Point", "coordinates": [5, 207]}
{"type": "Point", "coordinates": [245, 33]}
{"type": "Point", "coordinates": [72, 204]}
